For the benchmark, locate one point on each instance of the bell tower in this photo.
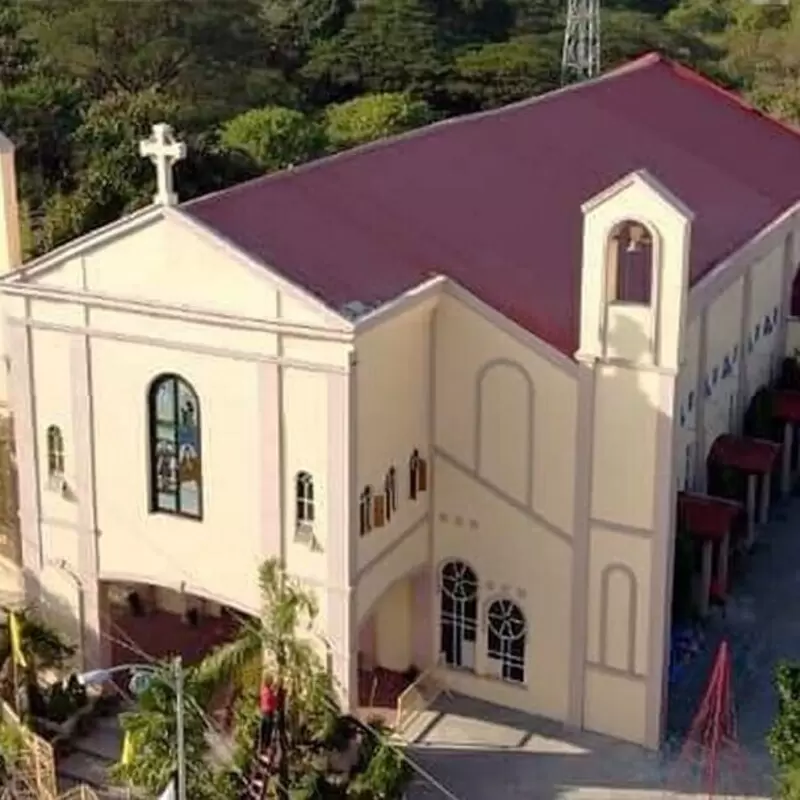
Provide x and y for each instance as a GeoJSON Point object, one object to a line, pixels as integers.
{"type": "Point", "coordinates": [634, 283]}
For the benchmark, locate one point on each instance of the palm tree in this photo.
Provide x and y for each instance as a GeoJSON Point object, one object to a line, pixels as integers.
{"type": "Point", "coordinates": [282, 642]}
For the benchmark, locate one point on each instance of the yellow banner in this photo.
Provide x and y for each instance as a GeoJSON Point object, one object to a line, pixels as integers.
{"type": "Point", "coordinates": [15, 634]}
{"type": "Point", "coordinates": [127, 750]}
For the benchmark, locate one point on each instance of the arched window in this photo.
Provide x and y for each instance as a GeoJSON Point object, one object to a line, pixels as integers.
{"type": "Point", "coordinates": [176, 476]}
{"type": "Point", "coordinates": [390, 490]}
{"type": "Point", "coordinates": [365, 511]}
{"type": "Point", "coordinates": [630, 264]}
{"type": "Point", "coordinates": [459, 614]}
{"type": "Point", "coordinates": [304, 493]}
{"type": "Point", "coordinates": [505, 640]}
{"type": "Point", "coordinates": [55, 452]}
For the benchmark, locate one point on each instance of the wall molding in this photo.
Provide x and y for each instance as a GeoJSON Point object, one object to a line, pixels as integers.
{"type": "Point", "coordinates": [614, 672]}
{"type": "Point", "coordinates": [153, 308]}
{"type": "Point", "coordinates": [582, 493]}
{"type": "Point", "coordinates": [518, 505]}
{"type": "Point", "coordinates": [168, 344]}
{"type": "Point", "coordinates": [607, 573]}
{"type": "Point", "coordinates": [392, 546]}
{"type": "Point", "coordinates": [528, 443]}
{"type": "Point", "coordinates": [620, 527]}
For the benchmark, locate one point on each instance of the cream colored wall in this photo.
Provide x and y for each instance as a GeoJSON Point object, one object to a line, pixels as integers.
{"type": "Point", "coordinates": [168, 264]}
{"type": "Point", "coordinates": [725, 391]}
{"type": "Point", "coordinates": [686, 435]}
{"type": "Point", "coordinates": [765, 306]}
{"type": "Point", "coordinates": [393, 402]}
{"type": "Point", "coordinates": [724, 360]}
{"type": "Point", "coordinates": [393, 626]}
{"type": "Point", "coordinates": [488, 515]}
{"type": "Point", "coordinates": [623, 485]}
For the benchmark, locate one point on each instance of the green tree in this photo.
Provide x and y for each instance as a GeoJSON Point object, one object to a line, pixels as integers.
{"type": "Point", "coordinates": [40, 115]}
{"type": "Point", "coordinates": [373, 116]}
{"type": "Point", "coordinates": [384, 46]}
{"type": "Point", "coordinates": [18, 57]}
{"type": "Point", "coordinates": [274, 137]}
{"type": "Point", "coordinates": [111, 177]}
{"type": "Point", "coordinates": [499, 73]}
{"type": "Point", "coordinates": [185, 45]}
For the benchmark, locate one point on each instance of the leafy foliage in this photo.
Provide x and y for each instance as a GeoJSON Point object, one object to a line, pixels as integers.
{"type": "Point", "coordinates": [274, 137]}
{"type": "Point", "coordinates": [373, 116]}
{"type": "Point", "coordinates": [784, 737]}
{"type": "Point", "coordinates": [43, 646]}
{"type": "Point", "coordinates": [152, 728]}
{"type": "Point", "coordinates": [257, 85]}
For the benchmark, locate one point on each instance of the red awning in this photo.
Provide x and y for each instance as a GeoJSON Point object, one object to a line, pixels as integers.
{"type": "Point", "coordinates": [786, 405]}
{"type": "Point", "coordinates": [744, 453]}
{"type": "Point", "coordinates": [706, 516]}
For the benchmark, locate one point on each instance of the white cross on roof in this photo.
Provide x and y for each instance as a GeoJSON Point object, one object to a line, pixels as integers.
{"type": "Point", "coordinates": [162, 149]}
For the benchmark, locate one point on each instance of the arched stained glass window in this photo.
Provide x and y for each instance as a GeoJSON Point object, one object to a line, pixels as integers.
{"type": "Point", "coordinates": [176, 475]}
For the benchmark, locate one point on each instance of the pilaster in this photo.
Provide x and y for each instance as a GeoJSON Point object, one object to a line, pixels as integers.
{"type": "Point", "coordinates": [87, 567]}
{"type": "Point", "coordinates": [270, 407]}
{"type": "Point", "coordinates": [20, 351]}
{"type": "Point", "coordinates": [700, 452]}
{"type": "Point", "coordinates": [661, 565]}
{"type": "Point", "coordinates": [341, 625]}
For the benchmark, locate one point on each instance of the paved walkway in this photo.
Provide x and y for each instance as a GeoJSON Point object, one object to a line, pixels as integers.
{"type": "Point", "coordinates": [479, 751]}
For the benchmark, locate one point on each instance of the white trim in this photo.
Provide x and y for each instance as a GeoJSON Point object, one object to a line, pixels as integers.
{"type": "Point", "coordinates": [260, 268]}
{"type": "Point", "coordinates": [527, 339]}
{"type": "Point", "coordinates": [729, 270]}
{"type": "Point", "coordinates": [168, 344]}
{"type": "Point", "coordinates": [422, 292]}
{"type": "Point", "coordinates": [650, 182]}
{"type": "Point", "coordinates": [108, 233]}
{"type": "Point", "coordinates": [151, 308]}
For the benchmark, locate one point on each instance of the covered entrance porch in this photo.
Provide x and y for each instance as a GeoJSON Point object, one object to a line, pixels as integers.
{"type": "Point", "coordinates": [395, 642]}
{"type": "Point", "coordinates": [145, 622]}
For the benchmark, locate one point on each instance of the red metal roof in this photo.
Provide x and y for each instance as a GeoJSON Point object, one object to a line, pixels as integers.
{"type": "Point", "coordinates": [707, 516]}
{"type": "Point", "coordinates": [493, 199]}
{"type": "Point", "coordinates": [744, 453]}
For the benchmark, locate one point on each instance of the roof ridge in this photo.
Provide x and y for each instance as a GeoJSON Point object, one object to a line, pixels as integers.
{"type": "Point", "coordinates": [693, 76]}
{"type": "Point", "coordinates": [426, 130]}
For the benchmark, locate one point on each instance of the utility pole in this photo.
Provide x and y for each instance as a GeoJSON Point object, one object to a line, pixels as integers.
{"type": "Point", "coordinates": [580, 57]}
{"type": "Point", "coordinates": [177, 666]}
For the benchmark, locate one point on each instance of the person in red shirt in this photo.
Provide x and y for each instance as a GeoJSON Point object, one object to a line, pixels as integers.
{"type": "Point", "coordinates": [268, 704]}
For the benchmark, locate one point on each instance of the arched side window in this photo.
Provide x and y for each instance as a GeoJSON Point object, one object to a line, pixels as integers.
{"type": "Point", "coordinates": [304, 496]}
{"type": "Point", "coordinates": [390, 491]}
{"type": "Point", "coordinates": [417, 475]}
{"type": "Point", "coordinates": [459, 614]}
{"type": "Point", "coordinates": [365, 511]}
{"type": "Point", "coordinates": [505, 640]}
{"type": "Point", "coordinates": [176, 475]}
{"type": "Point", "coordinates": [630, 264]}
{"type": "Point", "coordinates": [55, 452]}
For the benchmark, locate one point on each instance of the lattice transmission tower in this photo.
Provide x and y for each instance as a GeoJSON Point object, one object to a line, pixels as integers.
{"type": "Point", "coordinates": [580, 58]}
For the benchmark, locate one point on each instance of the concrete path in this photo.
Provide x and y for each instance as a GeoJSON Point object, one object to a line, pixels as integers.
{"type": "Point", "coordinates": [478, 751]}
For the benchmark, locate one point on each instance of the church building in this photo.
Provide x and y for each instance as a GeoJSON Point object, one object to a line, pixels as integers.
{"type": "Point", "coordinates": [454, 380]}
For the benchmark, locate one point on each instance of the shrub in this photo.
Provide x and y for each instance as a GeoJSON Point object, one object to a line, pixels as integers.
{"type": "Point", "coordinates": [784, 737]}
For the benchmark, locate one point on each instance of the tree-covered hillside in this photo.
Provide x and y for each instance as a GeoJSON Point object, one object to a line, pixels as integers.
{"type": "Point", "coordinates": [256, 85]}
